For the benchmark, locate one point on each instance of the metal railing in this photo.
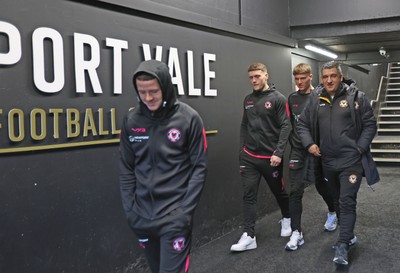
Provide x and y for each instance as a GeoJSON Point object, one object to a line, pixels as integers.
{"type": "Point", "coordinates": [380, 95]}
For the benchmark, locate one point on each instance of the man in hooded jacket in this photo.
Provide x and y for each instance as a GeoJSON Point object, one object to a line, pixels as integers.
{"type": "Point", "coordinates": [162, 169]}
{"type": "Point", "coordinates": [264, 133]}
{"type": "Point", "coordinates": [338, 126]}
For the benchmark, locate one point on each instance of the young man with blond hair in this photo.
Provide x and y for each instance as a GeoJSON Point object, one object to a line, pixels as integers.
{"type": "Point", "coordinates": [298, 181]}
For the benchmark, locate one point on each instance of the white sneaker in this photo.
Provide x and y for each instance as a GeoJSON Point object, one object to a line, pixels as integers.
{"type": "Point", "coordinates": [331, 222]}
{"type": "Point", "coordinates": [286, 230]}
{"type": "Point", "coordinates": [245, 243]}
{"type": "Point", "coordinates": [295, 241]}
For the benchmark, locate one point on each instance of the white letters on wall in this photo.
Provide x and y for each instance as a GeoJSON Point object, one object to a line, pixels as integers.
{"type": "Point", "coordinates": [82, 65]}
{"type": "Point", "coordinates": [192, 91]}
{"type": "Point", "coordinates": [14, 44]}
{"type": "Point", "coordinates": [208, 75]}
{"type": "Point", "coordinates": [39, 77]}
{"type": "Point", "coordinates": [117, 46]}
{"type": "Point", "coordinates": [147, 52]}
{"type": "Point", "coordinates": [173, 64]}
{"type": "Point", "coordinates": [87, 57]}
{"type": "Point", "coordinates": [175, 70]}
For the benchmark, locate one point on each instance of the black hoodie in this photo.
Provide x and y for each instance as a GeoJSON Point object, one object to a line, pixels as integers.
{"type": "Point", "coordinates": [163, 153]}
{"type": "Point", "coordinates": [265, 126]}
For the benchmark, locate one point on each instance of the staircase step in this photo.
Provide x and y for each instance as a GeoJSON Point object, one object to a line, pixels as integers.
{"type": "Point", "coordinates": [389, 111]}
{"type": "Point", "coordinates": [390, 108]}
{"type": "Point", "coordinates": [386, 159]}
{"type": "Point", "coordinates": [389, 122]}
{"type": "Point", "coordinates": [392, 91]}
{"type": "Point", "coordinates": [392, 98]}
{"type": "Point", "coordinates": [393, 151]}
{"type": "Point", "coordinates": [392, 132]}
{"type": "Point", "coordinates": [389, 116]}
{"type": "Point", "coordinates": [390, 102]}
{"type": "Point", "coordinates": [389, 130]}
{"type": "Point", "coordinates": [386, 140]}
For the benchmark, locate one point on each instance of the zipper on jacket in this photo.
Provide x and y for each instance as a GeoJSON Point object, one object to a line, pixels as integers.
{"type": "Point", "coordinates": [154, 163]}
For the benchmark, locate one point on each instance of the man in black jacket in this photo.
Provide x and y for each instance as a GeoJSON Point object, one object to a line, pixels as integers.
{"type": "Point", "coordinates": [338, 125]}
{"type": "Point", "coordinates": [297, 102]}
{"type": "Point", "coordinates": [162, 169]}
{"type": "Point", "coordinates": [264, 133]}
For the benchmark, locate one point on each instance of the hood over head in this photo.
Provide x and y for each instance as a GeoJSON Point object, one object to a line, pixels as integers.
{"type": "Point", "coordinates": [161, 72]}
{"type": "Point", "coordinates": [350, 85]}
{"type": "Point", "coordinates": [349, 81]}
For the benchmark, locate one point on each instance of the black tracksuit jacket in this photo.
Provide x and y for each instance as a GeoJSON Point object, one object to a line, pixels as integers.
{"type": "Point", "coordinates": [265, 126]}
{"type": "Point", "coordinates": [162, 154]}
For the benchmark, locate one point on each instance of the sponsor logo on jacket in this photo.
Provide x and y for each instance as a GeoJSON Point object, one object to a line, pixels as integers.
{"type": "Point", "coordinates": [249, 104]}
{"type": "Point", "coordinates": [138, 138]}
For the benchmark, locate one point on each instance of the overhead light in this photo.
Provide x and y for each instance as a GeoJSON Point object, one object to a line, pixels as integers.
{"type": "Point", "coordinates": [321, 51]}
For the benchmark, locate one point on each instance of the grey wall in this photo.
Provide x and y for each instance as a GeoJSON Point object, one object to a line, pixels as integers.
{"type": "Point", "coordinates": [271, 13]}
{"type": "Point", "coordinates": [308, 12]}
{"type": "Point", "coordinates": [60, 208]}
{"type": "Point", "coordinates": [250, 16]}
{"type": "Point", "coordinates": [367, 82]}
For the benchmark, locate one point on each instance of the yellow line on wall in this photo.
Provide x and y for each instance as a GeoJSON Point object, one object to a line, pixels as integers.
{"type": "Point", "coordinates": [69, 145]}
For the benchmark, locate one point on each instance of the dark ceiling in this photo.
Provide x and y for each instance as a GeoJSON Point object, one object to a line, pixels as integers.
{"type": "Point", "coordinates": [355, 43]}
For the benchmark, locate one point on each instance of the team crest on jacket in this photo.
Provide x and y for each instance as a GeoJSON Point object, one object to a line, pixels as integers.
{"type": "Point", "coordinates": [179, 244]}
{"type": "Point", "coordinates": [268, 104]}
{"type": "Point", "coordinates": [353, 178]}
{"type": "Point", "coordinates": [174, 135]}
{"type": "Point", "coordinates": [343, 103]}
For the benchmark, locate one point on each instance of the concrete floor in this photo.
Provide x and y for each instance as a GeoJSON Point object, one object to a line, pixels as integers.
{"type": "Point", "coordinates": [377, 229]}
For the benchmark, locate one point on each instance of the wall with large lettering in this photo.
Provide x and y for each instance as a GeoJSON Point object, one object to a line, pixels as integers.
{"type": "Point", "coordinates": [65, 84]}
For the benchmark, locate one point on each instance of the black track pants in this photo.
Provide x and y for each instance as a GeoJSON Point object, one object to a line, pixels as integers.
{"type": "Point", "coordinates": [344, 185]}
{"type": "Point", "coordinates": [251, 170]}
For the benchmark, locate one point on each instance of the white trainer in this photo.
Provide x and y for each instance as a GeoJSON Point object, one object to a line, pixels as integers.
{"type": "Point", "coordinates": [286, 230]}
{"type": "Point", "coordinates": [331, 222]}
{"type": "Point", "coordinates": [295, 241]}
{"type": "Point", "coordinates": [245, 243]}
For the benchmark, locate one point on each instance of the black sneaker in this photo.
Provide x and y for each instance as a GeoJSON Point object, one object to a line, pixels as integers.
{"type": "Point", "coordinates": [341, 250]}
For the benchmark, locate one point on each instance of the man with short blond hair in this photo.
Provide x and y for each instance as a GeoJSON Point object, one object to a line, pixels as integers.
{"type": "Point", "coordinates": [297, 101]}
